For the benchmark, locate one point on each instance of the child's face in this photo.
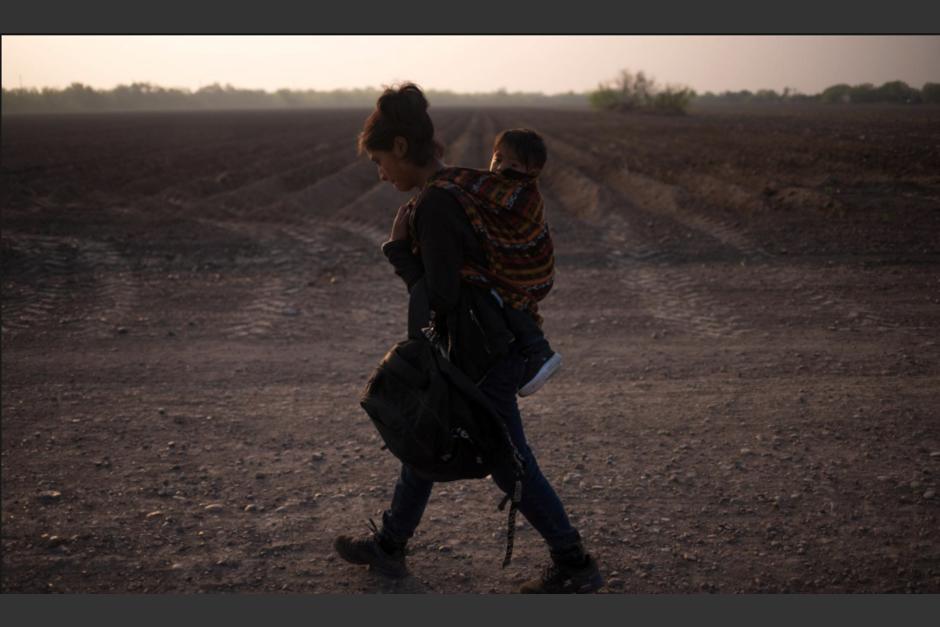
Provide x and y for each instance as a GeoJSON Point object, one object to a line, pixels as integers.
{"type": "Point", "coordinates": [505, 159]}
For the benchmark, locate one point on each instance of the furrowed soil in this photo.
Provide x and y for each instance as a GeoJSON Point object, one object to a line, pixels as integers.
{"type": "Point", "coordinates": [747, 302]}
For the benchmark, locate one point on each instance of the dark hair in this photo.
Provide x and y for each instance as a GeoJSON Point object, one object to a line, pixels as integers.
{"type": "Point", "coordinates": [401, 112]}
{"type": "Point", "coordinates": [526, 143]}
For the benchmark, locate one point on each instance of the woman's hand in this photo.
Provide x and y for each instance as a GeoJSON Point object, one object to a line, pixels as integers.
{"type": "Point", "coordinates": [400, 225]}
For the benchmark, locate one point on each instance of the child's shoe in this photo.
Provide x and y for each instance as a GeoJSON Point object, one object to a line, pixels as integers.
{"type": "Point", "coordinates": [538, 369]}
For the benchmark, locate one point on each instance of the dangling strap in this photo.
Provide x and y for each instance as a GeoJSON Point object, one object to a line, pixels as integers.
{"type": "Point", "coordinates": [511, 531]}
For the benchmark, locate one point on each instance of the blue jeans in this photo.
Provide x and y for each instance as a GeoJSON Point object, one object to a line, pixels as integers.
{"type": "Point", "coordinates": [540, 504]}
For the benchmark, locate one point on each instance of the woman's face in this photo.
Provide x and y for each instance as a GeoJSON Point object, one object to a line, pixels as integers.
{"type": "Point", "coordinates": [393, 167]}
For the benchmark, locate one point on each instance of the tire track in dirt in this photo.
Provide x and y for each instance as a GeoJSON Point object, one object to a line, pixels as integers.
{"type": "Point", "coordinates": [268, 198]}
{"type": "Point", "coordinates": [57, 267]}
{"type": "Point", "coordinates": [657, 198]}
{"type": "Point", "coordinates": [677, 288]}
{"type": "Point", "coordinates": [585, 201]}
{"type": "Point", "coordinates": [466, 148]}
{"type": "Point", "coordinates": [666, 293]}
{"type": "Point", "coordinates": [260, 317]}
{"type": "Point", "coordinates": [821, 301]}
{"type": "Point", "coordinates": [488, 132]}
{"type": "Point", "coordinates": [244, 173]}
{"type": "Point", "coordinates": [671, 295]}
{"type": "Point", "coordinates": [336, 176]}
{"type": "Point", "coordinates": [252, 197]}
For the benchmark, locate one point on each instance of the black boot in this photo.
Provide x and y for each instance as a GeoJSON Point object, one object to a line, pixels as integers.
{"type": "Point", "coordinates": [572, 571]}
{"type": "Point", "coordinates": [382, 553]}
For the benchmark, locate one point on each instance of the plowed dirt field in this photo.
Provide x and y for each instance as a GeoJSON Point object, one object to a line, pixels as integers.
{"type": "Point", "coordinates": [747, 302]}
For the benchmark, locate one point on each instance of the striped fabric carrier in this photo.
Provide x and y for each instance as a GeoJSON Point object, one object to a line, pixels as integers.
{"type": "Point", "coordinates": [508, 215]}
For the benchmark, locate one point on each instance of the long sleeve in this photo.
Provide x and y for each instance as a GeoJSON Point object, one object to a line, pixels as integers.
{"type": "Point", "coordinates": [407, 264]}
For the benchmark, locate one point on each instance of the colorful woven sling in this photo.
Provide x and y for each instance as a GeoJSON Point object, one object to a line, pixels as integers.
{"type": "Point", "coordinates": [508, 216]}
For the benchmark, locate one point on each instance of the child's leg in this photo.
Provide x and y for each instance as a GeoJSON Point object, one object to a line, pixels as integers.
{"type": "Point", "coordinates": [529, 336]}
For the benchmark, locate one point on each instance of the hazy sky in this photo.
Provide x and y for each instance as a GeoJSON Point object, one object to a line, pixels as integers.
{"type": "Point", "coordinates": [550, 64]}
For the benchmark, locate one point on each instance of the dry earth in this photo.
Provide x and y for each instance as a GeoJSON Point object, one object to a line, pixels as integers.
{"type": "Point", "coordinates": [747, 301]}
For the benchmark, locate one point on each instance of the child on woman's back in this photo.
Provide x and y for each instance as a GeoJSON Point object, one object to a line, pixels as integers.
{"type": "Point", "coordinates": [521, 154]}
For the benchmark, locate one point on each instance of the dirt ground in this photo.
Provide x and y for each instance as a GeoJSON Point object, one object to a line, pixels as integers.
{"type": "Point", "coordinates": [747, 302]}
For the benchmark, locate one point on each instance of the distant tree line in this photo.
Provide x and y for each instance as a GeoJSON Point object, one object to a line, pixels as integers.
{"type": "Point", "coordinates": [147, 97]}
{"type": "Point", "coordinates": [640, 92]}
{"type": "Point", "coordinates": [892, 91]}
{"type": "Point", "coordinates": [627, 92]}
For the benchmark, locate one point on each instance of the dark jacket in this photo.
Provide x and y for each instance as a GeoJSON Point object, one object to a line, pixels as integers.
{"type": "Point", "coordinates": [467, 314]}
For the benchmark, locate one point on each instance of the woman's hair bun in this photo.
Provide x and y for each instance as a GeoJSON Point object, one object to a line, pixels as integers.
{"type": "Point", "coordinates": [402, 103]}
{"type": "Point", "coordinates": [401, 111]}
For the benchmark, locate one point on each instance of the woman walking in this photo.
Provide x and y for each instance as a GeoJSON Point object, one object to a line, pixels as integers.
{"type": "Point", "coordinates": [431, 241]}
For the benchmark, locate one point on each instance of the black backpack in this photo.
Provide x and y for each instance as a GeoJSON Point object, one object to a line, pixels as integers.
{"type": "Point", "coordinates": [435, 419]}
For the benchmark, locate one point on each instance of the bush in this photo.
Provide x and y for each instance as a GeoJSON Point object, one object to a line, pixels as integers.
{"type": "Point", "coordinates": [604, 98]}
{"type": "Point", "coordinates": [673, 100]}
{"type": "Point", "coordinates": [837, 93]}
{"type": "Point", "coordinates": [892, 91]}
{"type": "Point", "coordinates": [898, 91]}
{"type": "Point", "coordinates": [930, 92]}
{"type": "Point", "coordinates": [638, 91]}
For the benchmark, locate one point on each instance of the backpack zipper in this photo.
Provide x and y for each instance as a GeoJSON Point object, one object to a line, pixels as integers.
{"type": "Point", "coordinates": [486, 343]}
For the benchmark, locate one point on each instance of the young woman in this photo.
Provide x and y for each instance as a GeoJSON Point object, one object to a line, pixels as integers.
{"type": "Point", "coordinates": [399, 138]}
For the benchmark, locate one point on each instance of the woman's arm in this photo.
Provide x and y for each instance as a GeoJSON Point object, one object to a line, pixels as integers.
{"type": "Point", "coordinates": [407, 264]}
{"type": "Point", "coordinates": [398, 249]}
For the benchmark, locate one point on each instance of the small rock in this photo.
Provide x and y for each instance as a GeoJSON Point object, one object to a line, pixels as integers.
{"type": "Point", "coordinates": [122, 330]}
{"type": "Point", "coordinates": [214, 507]}
{"type": "Point", "coordinates": [317, 457]}
{"type": "Point", "coordinates": [929, 494]}
{"type": "Point", "coordinates": [615, 583]}
{"type": "Point", "coordinates": [291, 311]}
{"type": "Point", "coordinates": [154, 514]}
{"type": "Point", "coordinates": [571, 477]}
{"type": "Point", "coordinates": [161, 410]}
{"type": "Point", "coordinates": [333, 280]}
{"type": "Point", "coordinates": [935, 453]}
{"type": "Point", "coordinates": [50, 496]}
{"type": "Point", "coordinates": [251, 507]}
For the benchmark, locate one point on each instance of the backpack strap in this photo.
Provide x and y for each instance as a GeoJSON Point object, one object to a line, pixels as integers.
{"type": "Point", "coordinates": [511, 532]}
{"type": "Point", "coordinates": [465, 385]}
